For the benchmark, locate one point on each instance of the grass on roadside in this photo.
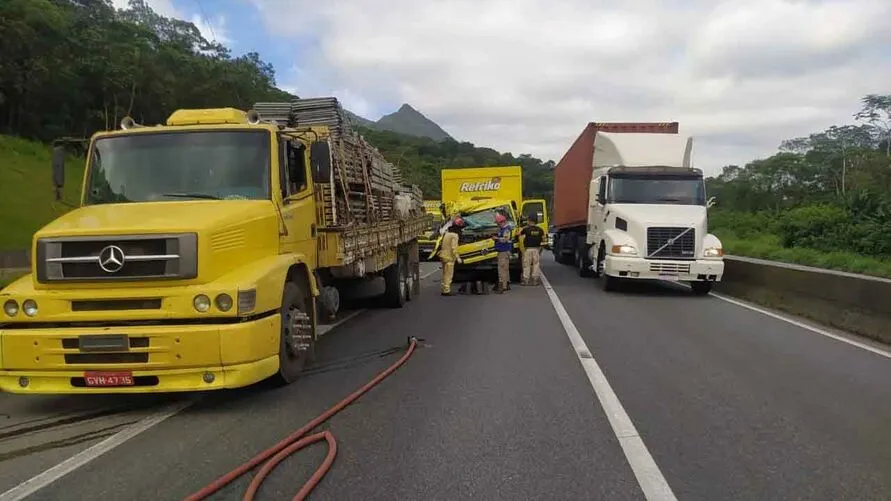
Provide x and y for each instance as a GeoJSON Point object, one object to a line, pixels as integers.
{"type": "Point", "coordinates": [767, 246]}
{"type": "Point", "coordinates": [27, 198]}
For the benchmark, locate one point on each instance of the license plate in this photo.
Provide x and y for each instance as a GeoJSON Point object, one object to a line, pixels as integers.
{"type": "Point", "coordinates": [108, 378]}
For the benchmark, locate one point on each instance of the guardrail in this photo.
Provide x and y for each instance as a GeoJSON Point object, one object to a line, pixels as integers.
{"type": "Point", "coordinates": [847, 301]}
{"type": "Point", "coordinates": [15, 259]}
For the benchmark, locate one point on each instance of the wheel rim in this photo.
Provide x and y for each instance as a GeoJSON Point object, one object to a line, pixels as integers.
{"type": "Point", "coordinates": [298, 333]}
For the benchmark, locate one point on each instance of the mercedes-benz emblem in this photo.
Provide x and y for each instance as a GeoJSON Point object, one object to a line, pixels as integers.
{"type": "Point", "coordinates": [111, 259]}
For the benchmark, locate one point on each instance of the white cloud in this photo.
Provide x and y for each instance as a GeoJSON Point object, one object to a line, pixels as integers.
{"type": "Point", "coordinates": [527, 75]}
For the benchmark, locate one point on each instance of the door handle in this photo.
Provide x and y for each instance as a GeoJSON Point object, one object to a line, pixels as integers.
{"type": "Point", "coordinates": [312, 230]}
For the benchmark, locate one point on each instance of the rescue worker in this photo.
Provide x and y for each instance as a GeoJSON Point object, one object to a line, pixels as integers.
{"type": "Point", "coordinates": [448, 255]}
{"type": "Point", "coordinates": [533, 236]}
{"type": "Point", "coordinates": [503, 246]}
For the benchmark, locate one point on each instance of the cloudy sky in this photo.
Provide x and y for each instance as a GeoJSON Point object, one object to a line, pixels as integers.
{"type": "Point", "coordinates": [527, 75]}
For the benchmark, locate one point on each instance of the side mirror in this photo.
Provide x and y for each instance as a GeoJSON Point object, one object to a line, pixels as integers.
{"type": "Point", "coordinates": [320, 156]}
{"type": "Point", "coordinates": [58, 170]}
{"type": "Point", "coordinates": [711, 202]}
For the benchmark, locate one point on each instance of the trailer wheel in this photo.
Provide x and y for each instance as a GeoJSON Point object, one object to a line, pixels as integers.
{"type": "Point", "coordinates": [395, 280]}
{"type": "Point", "coordinates": [413, 280]}
{"type": "Point", "coordinates": [297, 339]}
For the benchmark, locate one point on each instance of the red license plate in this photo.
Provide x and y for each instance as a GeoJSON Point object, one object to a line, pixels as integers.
{"type": "Point", "coordinates": [108, 378]}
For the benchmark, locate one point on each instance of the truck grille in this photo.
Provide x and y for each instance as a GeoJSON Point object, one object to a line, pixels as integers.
{"type": "Point", "coordinates": [671, 243]}
{"type": "Point", "coordinates": [128, 257]}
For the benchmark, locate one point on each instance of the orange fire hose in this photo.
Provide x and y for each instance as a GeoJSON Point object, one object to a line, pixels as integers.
{"type": "Point", "coordinates": [297, 441]}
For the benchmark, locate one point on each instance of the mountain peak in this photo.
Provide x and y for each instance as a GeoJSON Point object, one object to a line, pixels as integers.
{"type": "Point", "coordinates": [409, 121]}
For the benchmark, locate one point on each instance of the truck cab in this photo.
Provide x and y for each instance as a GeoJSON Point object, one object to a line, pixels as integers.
{"type": "Point", "coordinates": [477, 194]}
{"type": "Point", "coordinates": [196, 261]}
{"type": "Point", "coordinates": [648, 214]}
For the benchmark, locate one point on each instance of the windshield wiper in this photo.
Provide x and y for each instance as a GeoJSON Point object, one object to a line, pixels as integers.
{"type": "Point", "coordinates": [204, 196]}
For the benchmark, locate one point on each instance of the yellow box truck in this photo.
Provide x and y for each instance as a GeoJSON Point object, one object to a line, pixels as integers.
{"type": "Point", "coordinates": [204, 252]}
{"type": "Point", "coordinates": [427, 241]}
{"type": "Point", "coordinates": [477, 194]}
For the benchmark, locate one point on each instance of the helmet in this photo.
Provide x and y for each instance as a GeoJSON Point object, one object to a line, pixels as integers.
{"type": "Point", "coordinates": [499, 218]}
{"type": "Point", "coordinates": [458, 222]}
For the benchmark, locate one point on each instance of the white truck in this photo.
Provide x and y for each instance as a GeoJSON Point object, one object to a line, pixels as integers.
{"type": "Point", "coordinates": [647, 213]}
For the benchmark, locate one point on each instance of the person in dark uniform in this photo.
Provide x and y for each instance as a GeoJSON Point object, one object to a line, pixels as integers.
{"type": "Point", "coordinates": [533, 236]}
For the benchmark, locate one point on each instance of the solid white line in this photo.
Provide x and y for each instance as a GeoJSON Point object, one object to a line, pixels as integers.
{"type": "Point", "coordinates": [49, 476]}
{"type": "Point", "coordinates": [822, 332]}
{"type": "Point", "coordinates": [648, 475]}
{"type": "Point", "coordinates": [817, 330]}
{"type": "Point", "coordinates": [428, 274]}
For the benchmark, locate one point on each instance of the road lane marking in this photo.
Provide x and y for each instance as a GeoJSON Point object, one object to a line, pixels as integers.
{"type": "Point", "coordinates": [822, 332]}
{"type": "Point", "coordinates": [49, 476]}
{"type": "Point", "coordinates": [797, 323]}
{"type": "Point", "coordinates": [58, 471]}
{"type": "Point", "coordinates": [648, 475]}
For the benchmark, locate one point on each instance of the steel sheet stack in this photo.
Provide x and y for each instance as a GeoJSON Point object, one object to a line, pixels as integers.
{"type": "Point", "coordinates": [364, 182]}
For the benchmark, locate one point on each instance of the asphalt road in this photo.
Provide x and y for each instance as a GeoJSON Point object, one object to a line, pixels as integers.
{"type": "Point", "coordinates": [730, 403]}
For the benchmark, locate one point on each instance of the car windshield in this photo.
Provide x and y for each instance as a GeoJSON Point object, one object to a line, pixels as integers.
{"type": "Point", "coordinates": [148, 167]}
{"type": "Point", "coordinates": [682, 190]}
{"type": "Point", "coordinates": [485, 220]}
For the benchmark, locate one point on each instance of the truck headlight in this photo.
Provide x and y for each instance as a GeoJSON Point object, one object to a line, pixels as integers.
{"type": "Point", "coordinates": [201, 303]}
{"type": "Point", "coordinates": [30, 307]}
{"type": "Point", "coordinates": [11, 308]}
{"type": "Point", "coordinates": [713, 252]}
{"type": "Point", "coordinates": [624, 250]}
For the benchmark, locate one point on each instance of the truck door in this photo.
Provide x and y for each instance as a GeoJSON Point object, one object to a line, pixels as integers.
{"type": "Point", "coordinates": [596, 214]}
{"type": "Point", "coordinates": [298, 206]}
{"type": "Point", "coordinates": [537, 208]}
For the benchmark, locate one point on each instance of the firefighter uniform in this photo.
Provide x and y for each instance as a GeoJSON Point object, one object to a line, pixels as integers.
{"type": "Point", "coordinates": [448, 255]}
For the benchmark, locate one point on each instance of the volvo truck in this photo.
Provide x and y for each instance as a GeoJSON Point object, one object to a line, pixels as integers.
{"type": "Point", "coordinates": [644, 206]}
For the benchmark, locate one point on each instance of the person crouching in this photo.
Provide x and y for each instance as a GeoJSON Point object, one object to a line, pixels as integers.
{"type": "Point", "coordinates": [448, 255]}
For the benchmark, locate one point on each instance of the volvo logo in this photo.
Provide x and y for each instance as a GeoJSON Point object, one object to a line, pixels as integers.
{"type": "Point", "coordinates": [111, 259]}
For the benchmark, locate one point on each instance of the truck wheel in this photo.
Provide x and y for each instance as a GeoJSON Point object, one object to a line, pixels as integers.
{"type": "Point", "coordinates": [395, 280]}
{"type": "Point", "coordinates": [701, 288]}
{"type": "Point", "coordinates": [412, 279]}
{"type": "Point", "coordinates": [607, 282]}
{"type": "Point", "coordinates": [297, 340]}
{"type": "Point", "coordinates": [582, 262]}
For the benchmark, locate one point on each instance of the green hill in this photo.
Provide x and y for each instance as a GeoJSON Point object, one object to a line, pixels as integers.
{"type": "Point", "coordinates": [27, 197]}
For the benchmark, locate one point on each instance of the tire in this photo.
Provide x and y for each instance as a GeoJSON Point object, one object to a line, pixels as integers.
{"type": "Point", "coordinates": [701, 288]}
{"type": "Point", "coordinates": [582, 263]}
{"type": "Point", "coordinates": [295, 331]}
{"type": "Point", "coordinates": [395, 279]}
{"type": "Point", "coordinates": [412, 279]}
{"type": "Point", "coordinates": [608, 283]}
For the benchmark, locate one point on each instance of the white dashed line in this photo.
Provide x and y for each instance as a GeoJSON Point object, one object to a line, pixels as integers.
{"type": "Point", "coordinates": [648, 475]}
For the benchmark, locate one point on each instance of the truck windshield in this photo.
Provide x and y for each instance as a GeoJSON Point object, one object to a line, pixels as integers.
{"type": "Point", "coordinates": [485, 219]}
{"type": "Point", "coordinates": [209, 165]}
{"type": "Point", "coordinates": [681, 190]}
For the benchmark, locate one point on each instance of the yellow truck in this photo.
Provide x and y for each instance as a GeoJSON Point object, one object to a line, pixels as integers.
{"type": "Point", "coordinates": [477, 194]}
{"type": "Point", "coordinates": [205, 252]}
{"type": "Point", "coordinates": [427, 241]}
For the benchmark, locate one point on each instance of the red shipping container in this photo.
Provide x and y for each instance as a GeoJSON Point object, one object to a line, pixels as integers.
{"type": "Point", "coordinates": [572, 176]}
